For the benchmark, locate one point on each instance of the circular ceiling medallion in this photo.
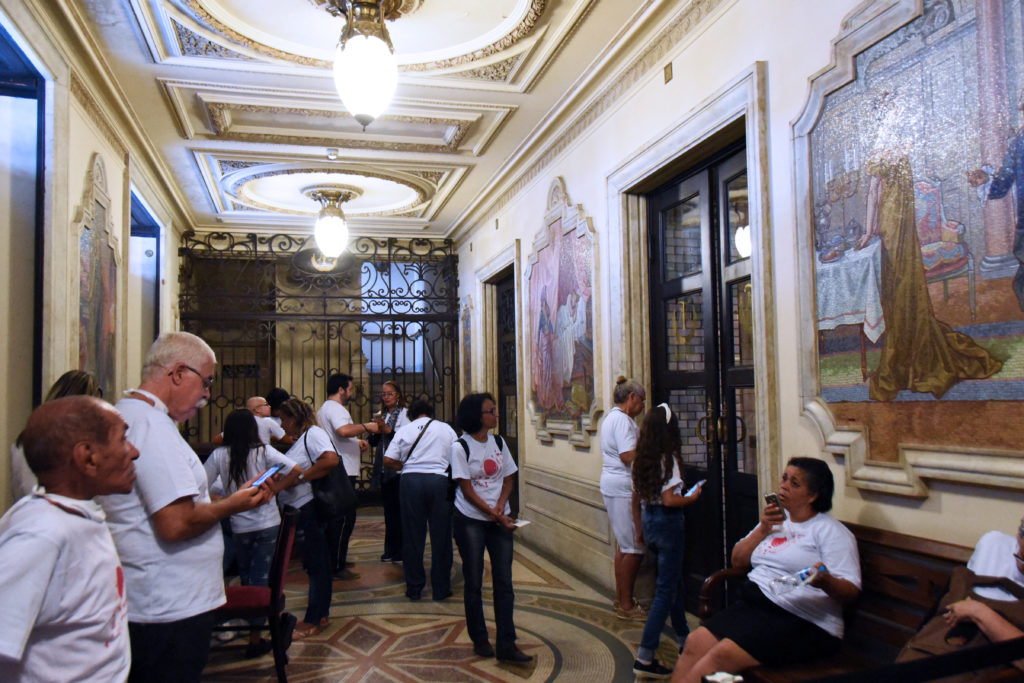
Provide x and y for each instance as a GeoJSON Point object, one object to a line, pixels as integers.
{"type": "Point", "coordinates": [285, 190]}
{"type": "Point", "coordinates": [439, 32]}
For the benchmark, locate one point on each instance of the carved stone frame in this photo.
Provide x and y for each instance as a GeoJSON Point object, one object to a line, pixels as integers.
{"type": "Point", "coordinates": [574, 221]}
{"type": "Point", "coordinates": [866, 25]}
{"type": "Point", "coordinates": [95, 194]}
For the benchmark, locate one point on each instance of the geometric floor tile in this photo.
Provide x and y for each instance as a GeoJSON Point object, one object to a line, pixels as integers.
{"type": "Point", "coordinates": [377, 635]}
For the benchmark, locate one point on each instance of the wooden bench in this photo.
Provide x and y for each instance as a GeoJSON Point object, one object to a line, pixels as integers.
{"type": "Point", "coordinates": [902, 579]}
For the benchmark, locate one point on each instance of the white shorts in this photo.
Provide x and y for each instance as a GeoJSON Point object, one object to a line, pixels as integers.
{"type": "Point", "coordinates": [620, 514]}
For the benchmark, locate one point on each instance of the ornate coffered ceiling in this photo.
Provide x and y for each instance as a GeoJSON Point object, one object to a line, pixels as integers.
{"type": "Point", "coordinates": [238, 98]}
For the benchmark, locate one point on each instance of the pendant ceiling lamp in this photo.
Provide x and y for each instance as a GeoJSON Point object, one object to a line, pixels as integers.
{"type": "Point", "coordinates": [331, 229]}
{"type": "Point", "coordinates": [365, 68]}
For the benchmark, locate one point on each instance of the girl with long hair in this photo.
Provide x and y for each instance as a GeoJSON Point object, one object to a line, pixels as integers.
{"type": "Point", "coordinates": [658, 488]}
{"type": "Point", "coordinates": [242, 458]}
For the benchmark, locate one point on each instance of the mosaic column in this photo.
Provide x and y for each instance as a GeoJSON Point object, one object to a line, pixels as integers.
{"type": "Point", "coordinates": [993, 126]}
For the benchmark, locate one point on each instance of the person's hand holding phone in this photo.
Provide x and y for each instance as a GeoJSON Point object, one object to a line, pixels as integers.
{"type": "Point", "coordinates": [772, 515]}
{"type": "Point", "coordinates": [693, 493]}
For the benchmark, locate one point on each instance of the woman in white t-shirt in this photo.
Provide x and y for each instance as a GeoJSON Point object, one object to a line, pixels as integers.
{"type": "Point", "coordinates": [658, 486]}
{"type": "Point", "coordinates": [773, 628]}
{"type": "Point", "coordinates": [486, 474]}
{"type": "Point", "coordinates": [242, 458]}
{"type": "Point", "coordinates": [618, 450]}
{"type": "Point", "coordinates": [313, 450]}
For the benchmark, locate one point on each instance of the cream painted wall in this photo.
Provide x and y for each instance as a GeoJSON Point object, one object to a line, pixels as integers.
{"type": "Point", "coordinates": [704, 62]}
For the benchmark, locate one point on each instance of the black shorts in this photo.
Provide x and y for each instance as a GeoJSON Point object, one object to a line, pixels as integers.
{"type": "Point", "coordinates": [768, 633]}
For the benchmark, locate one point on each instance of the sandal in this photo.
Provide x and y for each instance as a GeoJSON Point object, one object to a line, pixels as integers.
{"type": "Point", "coordinates": [304, 630]}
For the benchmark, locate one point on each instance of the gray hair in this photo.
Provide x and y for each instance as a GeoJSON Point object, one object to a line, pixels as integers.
{"type": "Point", "coordinates": [624, 387]}
{"type": "Point", "coordinates": [176, 347]}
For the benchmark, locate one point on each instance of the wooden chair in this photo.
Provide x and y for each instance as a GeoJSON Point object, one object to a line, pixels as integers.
{"type": "Point", "coordinates": [943, 248]}
{"type": "Point", "coordinates": [256, 602]}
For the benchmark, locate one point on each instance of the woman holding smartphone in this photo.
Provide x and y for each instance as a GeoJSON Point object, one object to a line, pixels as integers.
{"type": "Point", "coordinates": [314, 450]}
{"type": "Point", "coordinates": [242, 459]}
{"type": "Point", "coordinates": [772, 624]}
{"type": "Point", "coordinates": [392, 416]}
{"type": "Point", "coordinates": [658, 487]}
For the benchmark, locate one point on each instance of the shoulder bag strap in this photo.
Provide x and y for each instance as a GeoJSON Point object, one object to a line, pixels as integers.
{"type": "Point", "coordinates": [414, 443]}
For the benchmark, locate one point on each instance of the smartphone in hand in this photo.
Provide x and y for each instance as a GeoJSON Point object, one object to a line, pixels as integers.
{"type": "Point", "coordinates": [772, 499]}
{"type": "Point", "coordinates": [271, 471]}
{"type": "Point", "coordinates": [690, 491]}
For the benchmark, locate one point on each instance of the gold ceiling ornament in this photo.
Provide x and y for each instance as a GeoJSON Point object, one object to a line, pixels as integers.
{"type": "Point", "coordinates": [391, 9]}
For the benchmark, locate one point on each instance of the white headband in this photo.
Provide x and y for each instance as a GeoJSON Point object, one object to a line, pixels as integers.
{"type": "Point", "coordinates": [668, 412]}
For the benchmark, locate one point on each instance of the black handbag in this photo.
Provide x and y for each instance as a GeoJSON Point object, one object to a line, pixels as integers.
{"type": "Point", "coordinates": [333, 495]}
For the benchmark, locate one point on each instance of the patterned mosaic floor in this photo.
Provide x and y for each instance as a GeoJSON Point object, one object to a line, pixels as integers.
{"type": "Point", "coordinates": [377, 634]}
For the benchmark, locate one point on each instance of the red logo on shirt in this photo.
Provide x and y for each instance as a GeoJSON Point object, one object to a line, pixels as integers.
{"type": "Point", "coordinates": [490, 467]}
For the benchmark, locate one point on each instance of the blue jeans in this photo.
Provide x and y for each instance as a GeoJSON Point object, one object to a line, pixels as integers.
{"type": "Point", "coordinates": [316, 562]}
{"type": "Point", "coordinates": [472, 536]}
{"type": "Point", "coordinates": [425, 502]}
{"type": "Point", "coordinates": [253, 551]}
{"type": "Point", "coordinates": [664, 529]}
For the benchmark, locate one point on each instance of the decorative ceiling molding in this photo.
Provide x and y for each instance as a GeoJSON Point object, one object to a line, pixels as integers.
{"type": "Point", "coordinates": [250, 114]}
{"type": "Point", "coordinates": [611, 96]}
{"type": "Point", "coordinates": [82, 94]}
{"type": "Point", "coordinates": [228, 177]}
{"type": "Point", "coordinates": [498, 72]}
{"type": "Point", "coordinates": [239, 186]}
{"type": "Point", "coordinates": [201, 15]}
{"type": "Point", "coordinates": [191, 44]}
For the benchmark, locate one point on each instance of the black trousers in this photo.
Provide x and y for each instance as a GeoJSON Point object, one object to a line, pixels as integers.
{"type": "Point", "coordinates": [339, 533]}
{"type": "Point", "coordinates": [174, 652]}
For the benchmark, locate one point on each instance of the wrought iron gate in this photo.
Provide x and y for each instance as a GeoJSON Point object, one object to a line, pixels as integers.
{"type": "Point", "coordinates": [279, 314]}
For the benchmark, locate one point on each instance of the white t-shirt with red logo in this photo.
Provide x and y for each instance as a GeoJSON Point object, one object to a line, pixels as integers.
{"type": "Point", "coordinates": [793, 546]}
{"type": "Point", "coordinates": [486, 467]}
{"type": "Point", "coordinates": [62, 591]}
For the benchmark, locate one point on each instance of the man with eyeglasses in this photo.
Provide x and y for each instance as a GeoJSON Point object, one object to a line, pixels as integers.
{"type": "Point", "coordinates": [166, 530]}
{"type": "Point", "coordinates": [267, 427]}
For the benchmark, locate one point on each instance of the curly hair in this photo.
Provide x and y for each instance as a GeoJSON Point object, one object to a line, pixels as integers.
{"type": "Point", "coordinates": [656, 447]}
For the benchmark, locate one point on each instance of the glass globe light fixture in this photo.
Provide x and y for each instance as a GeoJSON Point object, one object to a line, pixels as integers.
{"type": "Point", "coordinates": [331, 229]}
{"type": "Point", "coordinates": [365, 67]}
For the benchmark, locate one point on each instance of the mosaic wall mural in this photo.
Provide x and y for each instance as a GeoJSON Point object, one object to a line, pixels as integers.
{"type": "Point", "coordinates": [559, 277]}
{"type": "Point", "coordinates": [917, 183]}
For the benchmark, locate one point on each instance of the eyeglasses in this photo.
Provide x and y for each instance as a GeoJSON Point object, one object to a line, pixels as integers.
{"type": "Point", "coordinates": [388, 393]}
{"type": "Point", "coordinates": [1018, 557]}
{"type": "Point", "coordinates": [492, 411]}
{"type": "Point", "coordinates": [207, 381]}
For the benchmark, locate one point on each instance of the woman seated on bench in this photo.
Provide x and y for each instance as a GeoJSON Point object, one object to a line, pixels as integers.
{"type": "Point", "coordinates": [984, 604]}
{"type": "Point", "coordinates": [776, 627]}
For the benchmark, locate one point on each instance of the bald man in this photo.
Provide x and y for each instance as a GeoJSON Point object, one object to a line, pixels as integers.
{"type": "Point", "coordinates": [267, 426]}
{"type": "Point", "coordinates": [167, 529]}
{"type": "Point", "coordinates": [61, 583]}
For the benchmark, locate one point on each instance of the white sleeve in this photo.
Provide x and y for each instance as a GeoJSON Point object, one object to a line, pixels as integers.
{"type": "Point", "coordinates": [276, 430]}
{"type": "Point", "coordinates": [460, 460]}
{"type": "Point", "coordinates": [318, 442]}
{"type": "Point", "coordinates": [508, 465]}
{"type": "Point", "coordinates": [29, 562]}
{"type": "Point", "coordinates": [276, 457]}
{"type": "Point", "coordinates": [397, 449]}
{"type": "Point", "coordinates": [839, 552]}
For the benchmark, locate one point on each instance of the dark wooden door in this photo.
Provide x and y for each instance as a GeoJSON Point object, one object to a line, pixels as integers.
{"type": "Point", "coordinates": [701, 349]}
{"type": "Point", "coordinates": [508, 418]}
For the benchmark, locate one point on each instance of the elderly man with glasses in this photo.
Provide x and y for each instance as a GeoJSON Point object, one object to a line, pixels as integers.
{"type": "Point", "coordinates": [166, 530]}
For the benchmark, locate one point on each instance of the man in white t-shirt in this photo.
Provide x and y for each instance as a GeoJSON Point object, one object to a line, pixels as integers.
{"type": "Point", "coordinates": [334, 417]}
{"type": "Point", "coordinates": [167, 529]}
{"type": "Point", "coordinates": [269, 428]}
{"type": "Point", "coordinates": [61, 582]}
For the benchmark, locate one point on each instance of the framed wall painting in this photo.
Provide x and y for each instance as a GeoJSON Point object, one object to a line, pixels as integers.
{"type": "Point", "coordinates": [99, 259]}
{"type": "Point", "coordinates": [560, 333]}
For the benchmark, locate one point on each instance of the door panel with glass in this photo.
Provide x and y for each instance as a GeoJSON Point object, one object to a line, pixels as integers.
{"type": "Point", "coordinates": [702, 350]}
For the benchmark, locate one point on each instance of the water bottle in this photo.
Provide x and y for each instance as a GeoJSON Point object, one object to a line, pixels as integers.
{"type": "Point", "coordinates": [784, 584]}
